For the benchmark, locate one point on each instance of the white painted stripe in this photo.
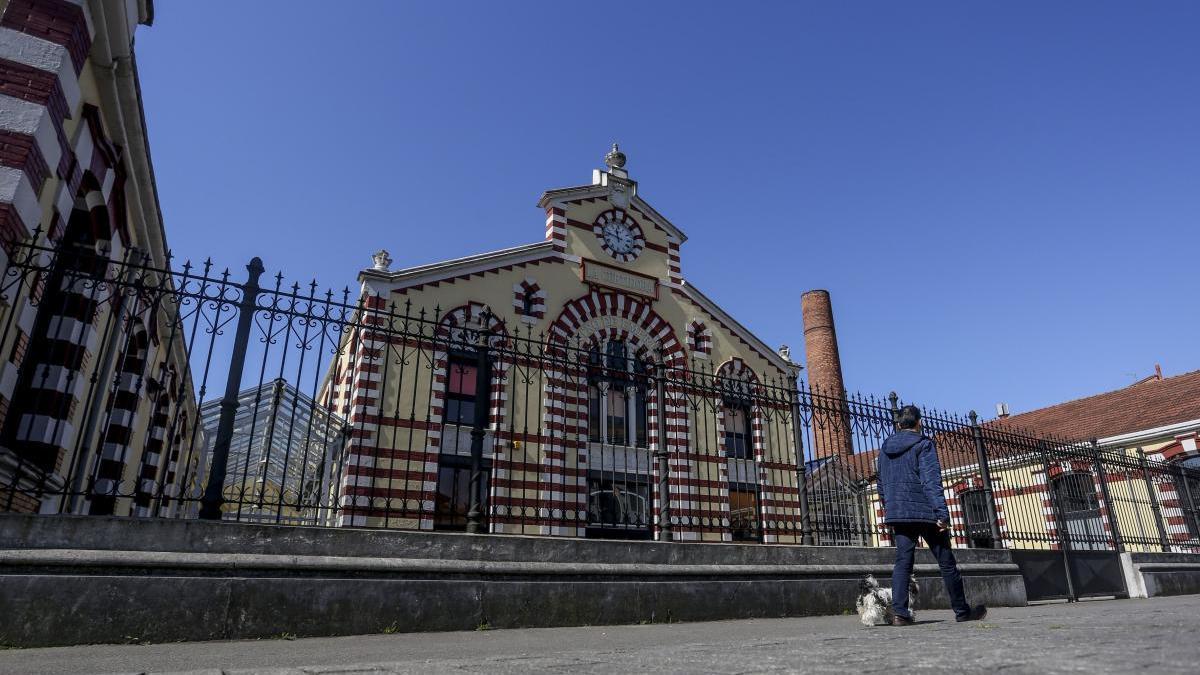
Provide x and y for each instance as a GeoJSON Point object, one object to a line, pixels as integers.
{"type": "Point", "coordinates": [43, 55]}
{"type": "Point", "coordinates": [24, 117]}
{"type": "Point", "coordinates": [84, 147]}
{"type": "Point", "coordinates": [8, 380]}
{"type": "Point", "coordinates": [16, 189]}
{"type": "Point", "coordinates": [44, 429]}
{"type": "Point", "coordinates": [110, 178]}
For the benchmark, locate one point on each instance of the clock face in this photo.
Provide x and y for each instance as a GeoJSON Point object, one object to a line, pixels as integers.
{"type": "Point", "coordinates": [619, 234]}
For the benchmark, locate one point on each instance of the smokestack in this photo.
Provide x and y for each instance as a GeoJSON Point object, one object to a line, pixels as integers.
{"type": "Point", "coordinates": [825, 376]}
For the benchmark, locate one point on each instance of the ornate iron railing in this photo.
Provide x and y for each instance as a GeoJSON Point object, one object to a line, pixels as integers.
{"type": "Point", "coordinates": [341, 410]}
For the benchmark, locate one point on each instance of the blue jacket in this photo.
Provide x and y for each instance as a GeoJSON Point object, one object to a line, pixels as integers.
{"type": "Point", "coordinates": [910, 480]}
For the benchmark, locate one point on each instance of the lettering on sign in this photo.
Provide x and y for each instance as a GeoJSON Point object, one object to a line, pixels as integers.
{"type": "Point", "coordinates": [612, 277]}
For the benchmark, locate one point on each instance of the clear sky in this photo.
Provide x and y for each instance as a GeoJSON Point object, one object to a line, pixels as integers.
{"type": "Point", "coordinates": [1002, 198]}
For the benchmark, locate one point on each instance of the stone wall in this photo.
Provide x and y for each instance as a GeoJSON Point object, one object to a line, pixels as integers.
{"type": "Point", "coordinates": [74, 580]}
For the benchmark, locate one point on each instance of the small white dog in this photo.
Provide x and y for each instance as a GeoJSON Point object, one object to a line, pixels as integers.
{"type": "Point", "coordinates": [875, 602]}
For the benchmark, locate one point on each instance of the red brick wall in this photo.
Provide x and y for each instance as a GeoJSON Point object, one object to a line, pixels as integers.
{"type": "Point", "coordinates": [824, 365]}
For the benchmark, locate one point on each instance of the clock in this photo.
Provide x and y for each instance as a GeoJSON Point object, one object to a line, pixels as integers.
{"type": "Point", "coordinates": [619, 235]}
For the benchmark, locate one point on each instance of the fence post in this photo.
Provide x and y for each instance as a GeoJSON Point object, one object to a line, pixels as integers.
{"type": "Point", "coordinates": [806, 534]}
{"type": "Point", "coordinates": [893, 401]}
{"type": "Point", "coordinates": [1187, 491]}
{"type": "Point", "coordinates": [661, 455]}
{"type": "Point", "coordinates": [1154, 505]}
{"type": "Point", "coordinates": [1108, 502]}
{"type": "Point", "coordinates": [483, 390]}
{"type": "Point", "coordinates": [1060, 524]}
{"type": "Point", "coordinates": [986, 474]}
{"type": "Point", "coordinates": [210, 504]}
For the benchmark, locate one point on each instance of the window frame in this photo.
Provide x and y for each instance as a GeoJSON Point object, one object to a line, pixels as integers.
{"type": "Point", "coordinates": [460, 359]}
{"type": "Point", "coordinates": [731, 405]}
{"type": "Point", "coordinates": [976, 531]}
{"type": "Point", "coordinates": [603, 374]}
{"type": "Point", "coordinates": [756, 534]}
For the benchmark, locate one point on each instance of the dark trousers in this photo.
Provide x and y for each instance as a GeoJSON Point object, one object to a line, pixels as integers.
{"type": "Point", "coordinates": [907, 535]}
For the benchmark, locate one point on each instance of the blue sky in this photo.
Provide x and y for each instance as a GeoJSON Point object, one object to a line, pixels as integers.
{"type": "Point", "coordinates": [1003, 199]}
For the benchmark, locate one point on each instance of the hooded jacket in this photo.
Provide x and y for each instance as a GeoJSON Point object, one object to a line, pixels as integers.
{"type": "Point", "coordinates": [910, 480]}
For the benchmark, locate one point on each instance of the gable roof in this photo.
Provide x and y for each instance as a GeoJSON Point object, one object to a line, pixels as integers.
{"type": "Point", "coordinates": [1138, 407]}
{"type": "Point", "coordinates": [480, 262]}
{"type": "Point", "coordinates": [600, 191]}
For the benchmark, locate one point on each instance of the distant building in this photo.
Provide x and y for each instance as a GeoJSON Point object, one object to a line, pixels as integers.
{"type": "Point", "coordinates": [283, 456]}
{"type": "Point", "coordinates": [1039, 490]}
{"type": "Point", "coordinates": [97, 413]}
{"type": "Point", "coordinates": [1159, 414]}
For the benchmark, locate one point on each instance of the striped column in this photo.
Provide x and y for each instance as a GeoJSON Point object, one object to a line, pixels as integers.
{"type": "Point", "coordinates": [556, 228]}
{"type": "Point", "coordinates": [155, 442]}
{"type": "Point", "coordinates": [124, 400]}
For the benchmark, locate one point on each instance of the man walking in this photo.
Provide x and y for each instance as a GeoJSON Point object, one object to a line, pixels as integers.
{"type": "Point", "coordinates": [910, 485]}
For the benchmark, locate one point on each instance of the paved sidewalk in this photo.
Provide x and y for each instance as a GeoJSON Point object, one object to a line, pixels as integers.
{"type": "Point", "coordinates": [1116, 636]}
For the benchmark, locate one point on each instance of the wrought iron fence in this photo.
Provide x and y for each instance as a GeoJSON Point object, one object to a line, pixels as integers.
{"type": "Point", "coordinates": [188, 392]}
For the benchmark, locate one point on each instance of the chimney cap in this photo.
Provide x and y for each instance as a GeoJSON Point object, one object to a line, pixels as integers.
{"type": "Point", "coordinates": [1001, 410]}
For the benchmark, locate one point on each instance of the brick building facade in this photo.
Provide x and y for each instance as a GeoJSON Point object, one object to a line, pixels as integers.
{"type": "Point", "coordinates": [95, 399]}
{"type": "Point", "coordinates": [606, 276]}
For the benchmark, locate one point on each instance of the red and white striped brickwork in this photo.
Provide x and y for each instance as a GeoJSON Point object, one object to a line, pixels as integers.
{"type": "Point", "coordinates": [699, 340]}
{"type": "Point", "coordinates": [674, 268]}
{"type": "Point", "coordinates": [777, 494]}
{"type": "Point", "coordinates": [149, 469]}
{"type": "Point", "coordinates": [955, 498]}
{"type": "Point", "coordinates": [1058, 469]}
{"type": "Point", "coordinates": [123, 402]}
{"type": "Point", "coordinates": [1167, 492]}
{"type": "Point", "coordinates": [44, 45]}
{"type": "Point", "coordinates": [556, 228]}
{"type": "Point", "coordinates": [599, 318]}
{"type": "Point", "coordinates": [360, 392]}
{"type": "Point", "coordinates": [529, 300]}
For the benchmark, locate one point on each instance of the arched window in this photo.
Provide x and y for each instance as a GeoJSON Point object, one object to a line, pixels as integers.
{"type": "Point", "coordinates": [616, 396]}
{"type": "Point", "coordinates": [699, 340]}
{"type": "Point", "coordinates": [528, 302]}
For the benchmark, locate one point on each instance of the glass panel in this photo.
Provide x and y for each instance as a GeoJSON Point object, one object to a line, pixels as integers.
{"type": "Point", "coordinates": [979, 526]}
{"type": "Point", "coordinates": [640, 426]}
{"type": "Point", "coordinates": [453, 500]}
{"type": "Point", "coordinates": [614, 501]}
{"type": "Point", "coordinates": [462, 378]}
{"type": "Point", "coordinates": [616, 358]}
{"type": "Point", "coordinates": [460, 411]}
{"type": "Point", "coordinates": [595, 424]}
{"type": "Point", "coordinates": [737, 438]}
{"type": "Point", "coordinates": [1077, 493]}
{"type": "Point", "coordinates": [743, 514]}
{"type": "Point", "coordinates": [617, 409]}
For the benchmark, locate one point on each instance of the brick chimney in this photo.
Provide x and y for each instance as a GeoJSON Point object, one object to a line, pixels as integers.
{"type": "Point", "coordinates": [831, 423]}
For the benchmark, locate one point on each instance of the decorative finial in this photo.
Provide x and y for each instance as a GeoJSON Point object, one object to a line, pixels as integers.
{"type": "Point", "coordinates": [382, 260]}
{"type": "Point", "coordinates": [615, 159]}
{"type": "Point", "coordinates": [785, 353]}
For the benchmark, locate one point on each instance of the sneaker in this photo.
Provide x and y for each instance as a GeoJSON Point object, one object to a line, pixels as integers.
{"type": "Point", "coordinates": [902, 620]}
{"type": "Point", "coordinates": [977, 613]}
